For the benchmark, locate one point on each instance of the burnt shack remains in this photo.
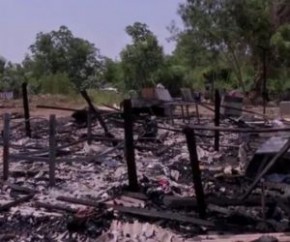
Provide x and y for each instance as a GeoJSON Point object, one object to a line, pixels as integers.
{"type": "Point", "coordinates": [124, 180]}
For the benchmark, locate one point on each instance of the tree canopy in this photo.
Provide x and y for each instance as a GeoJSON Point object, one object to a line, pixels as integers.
{"type": "Point", "coordinates": [142, 59]}
{"type": "Point", "coordinates": [228, 41]}
{"type": "Point", "coordinates": [61, 52]}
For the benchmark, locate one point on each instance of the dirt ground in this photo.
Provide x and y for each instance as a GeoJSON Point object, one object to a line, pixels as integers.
{"type": "Point", "coordinates": [15, 106]}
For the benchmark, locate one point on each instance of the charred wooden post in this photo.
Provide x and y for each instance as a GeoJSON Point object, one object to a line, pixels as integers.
{"type": "Point", "coordinates": [265, 96]}
{"type": "Point", "coordinates": [197, 112]}
{"type": "Point", "coordinates": [15, 203]}
{"type": "Point", "coordinates": [191, 144]}
{"type": "Point", "coordinates": [52, 150]}
{"type": "Point", "coordinates": [6, 141]}
{"type": "Point", "coordinates": [187, 113]}
{"type": "Point", "coordinates": [129, 146]}
{"type": "Point", "coordinates": [89, 126]}
{"type": "Point", "coordinates": [26, 109]}
{"type": "Point", "coordinates": [217, 120]}
{"type": "Point", "coordinates": [263, 200]}
{"type": "Point", "coordinates": [182, 112]}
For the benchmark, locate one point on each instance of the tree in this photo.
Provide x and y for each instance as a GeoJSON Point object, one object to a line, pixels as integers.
{"type": "Point", "coordinates": [61, 52]}
{"type": "Point", "coordinates": [112, 72]}
{"type": "Point", "coordinates": [2, 65]}
{"type": "Point", "coordinates": [141, 59]}
{"type": "Point", "coordinates": [238, 32]}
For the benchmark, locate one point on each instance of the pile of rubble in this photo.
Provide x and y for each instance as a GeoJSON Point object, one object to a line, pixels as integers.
{"type": "Point", "coordinates": [91, 200]}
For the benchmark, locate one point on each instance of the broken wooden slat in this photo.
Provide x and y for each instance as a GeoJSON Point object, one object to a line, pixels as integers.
{"type": "Point", "coordinates": [9, 205]}
{"type": "Point", "coordinates": [281, 237]}
{"type": "Point", "coordinates": [239, 130]}
{"type": "Point", "coordinates": [190, 202]}
{"type": "Point", "coordinates": [21, 189]}
{"type": "Point", "coordinates": [54, 207]}
{"type": "Point", "coordinates": [164, 215]}
{"type": "Point", "coordinates": [57, 108]}
{"type": "Point", "coordinates": [142, 212]}
{"type": "Point", "coordinates": [28, 158]}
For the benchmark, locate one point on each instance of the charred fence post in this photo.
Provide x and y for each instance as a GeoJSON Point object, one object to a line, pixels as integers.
{"type": "Point", "coordinates": [129, 146]}
{"type": "Point", "coordinates": [6, 137]}
{"type": "Point", "coordinates": [26, 110]}
{"type": "Point", "coordinates": [197, 112]}
{"type": "Point", "coordinates": [89, 126]}
{"type": "Point", "coordinates": [191, 144]}
{"type": "Point", "coordinates": [217, 120]}
{"type": "Point", "coordinates": [52, 150]}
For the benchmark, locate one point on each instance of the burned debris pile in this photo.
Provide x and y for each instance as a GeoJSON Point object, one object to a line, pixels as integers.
{"type": "Point", "coordinates": [69, 182]}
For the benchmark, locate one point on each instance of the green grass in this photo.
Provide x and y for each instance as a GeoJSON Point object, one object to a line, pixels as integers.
{"type": "Point", "coordinates": [98, 97]}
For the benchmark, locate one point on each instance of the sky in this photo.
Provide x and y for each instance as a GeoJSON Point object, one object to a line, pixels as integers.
{"type": "Point", "coordinates": [102, 22]}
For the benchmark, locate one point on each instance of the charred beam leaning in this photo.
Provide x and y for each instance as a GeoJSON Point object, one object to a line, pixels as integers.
{"type": "Point", "coordinates": [129, 146]}
{"type": "Point", "coordinates": [191, 143]}
{"type": "Point", "coordinates": [280, 154]}
{"type": "Point", "coordinates": [217, 120]}
{"type": "Point", "coordinates": [98, 115]}
{"type": "Point", "coordinates": [6, 141]}
{"type": "Point", "coordinates": [26, 110]}
{"type": "Point", "coordinates": [52, 150]}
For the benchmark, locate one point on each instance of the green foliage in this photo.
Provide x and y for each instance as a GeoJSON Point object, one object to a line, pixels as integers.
{"type": "Point", "coordinates": [141, 59]}
{"type": "Point", "coordinates": [61, 52]}
{"type": "Point", "coordinates": [58, 83]}
{"type": "Point", "coordinates": [234, 34]}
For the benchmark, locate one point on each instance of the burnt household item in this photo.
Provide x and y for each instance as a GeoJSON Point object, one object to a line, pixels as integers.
{"type": "Point", "coordinates": [81, 117]}
{"type": "Point", "coordinates": [283, 150]}
{"type": "Point", "coordinates": [150, 128]}
{"type": "Point", "coordinates": [265, 153]}
{"type": "Point", "coordinates": [152, 101]}
{"type": "Point", "coordinates": [232, 106]}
